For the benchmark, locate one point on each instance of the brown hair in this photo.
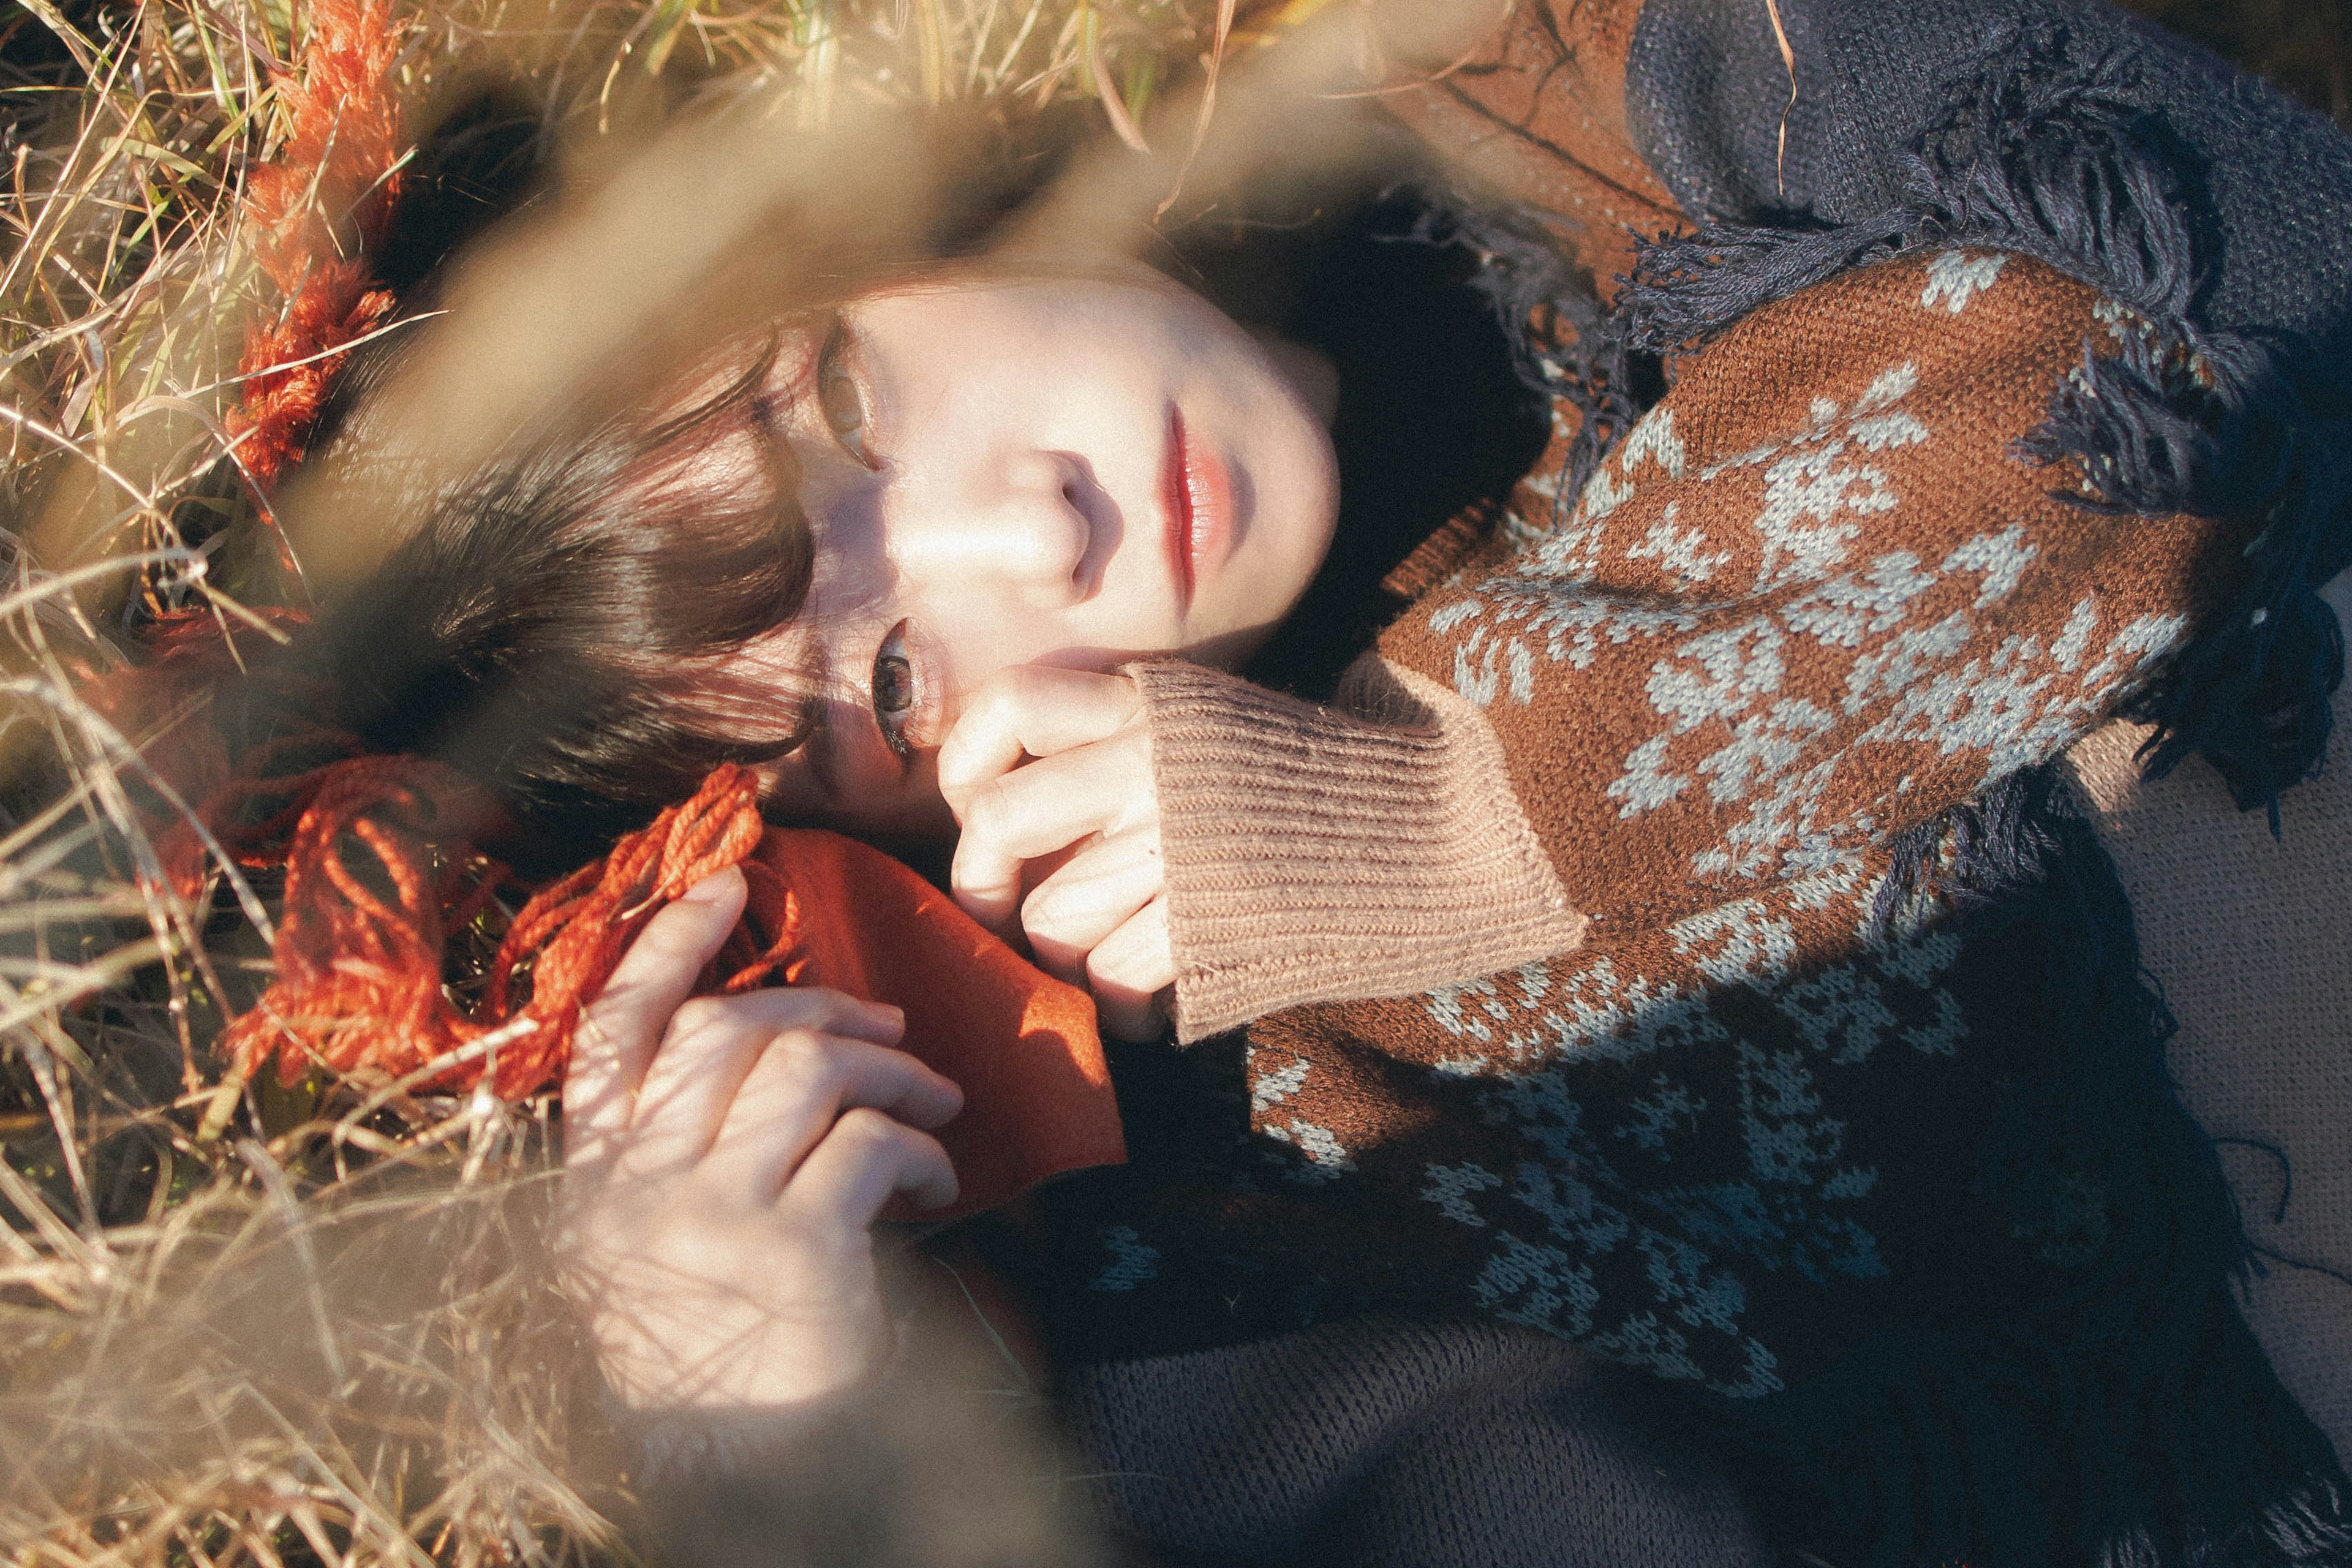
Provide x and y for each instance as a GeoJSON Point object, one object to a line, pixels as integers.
{"type": "Point", "coordinates": [532, 631]}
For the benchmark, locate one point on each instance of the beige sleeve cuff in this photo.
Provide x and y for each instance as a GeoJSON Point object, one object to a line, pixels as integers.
{"type": "Point", "coordinates": [1321, 855]}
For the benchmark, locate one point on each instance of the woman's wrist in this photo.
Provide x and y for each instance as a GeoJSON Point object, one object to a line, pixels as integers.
{"type": "Point", "coordinates": [1322, 854]}
{"type": "Point", "coordinates": [677, 1443]}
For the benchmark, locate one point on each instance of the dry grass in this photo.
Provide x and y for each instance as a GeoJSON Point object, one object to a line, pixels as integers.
{"type": "Point", "coordinates": [244, 1323]}
{"type": "Point", "coordinates": [239, 1323]}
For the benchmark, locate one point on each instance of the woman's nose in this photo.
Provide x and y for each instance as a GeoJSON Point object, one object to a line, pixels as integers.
{"type": "Point", "coordinates": [1023, 523]}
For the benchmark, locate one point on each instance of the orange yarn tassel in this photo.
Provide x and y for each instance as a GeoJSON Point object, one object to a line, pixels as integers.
{"type": "Point", "coordinates": [380, 871]}
{"type": "Point", "coordinates": [359, 949]}
{"type": "Point", "coordinates": [313, 217]}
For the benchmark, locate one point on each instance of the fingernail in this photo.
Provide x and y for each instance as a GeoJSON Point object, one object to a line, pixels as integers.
{"type": "Point", "coordinates": [896, 1014]}
{"type": "Point", "coordinates": [712, 889]}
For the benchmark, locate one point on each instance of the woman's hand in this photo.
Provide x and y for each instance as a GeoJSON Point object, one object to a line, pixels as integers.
{"type": "Point", "coordinates": [723, 1160]}
{"type": "Point", "coordinates": [1083, 811]}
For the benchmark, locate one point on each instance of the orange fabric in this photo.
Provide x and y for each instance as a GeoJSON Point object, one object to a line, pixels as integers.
{"type": "Point", "coordinates": [1022, 1046]}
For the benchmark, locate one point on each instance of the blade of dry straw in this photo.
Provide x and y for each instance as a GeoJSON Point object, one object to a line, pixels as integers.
{"type": "Point", "coordinates": [931, 47]}
{"type": "Point", "coordinates": [119, 753]}
{"type": "Point", "coordinates": [1121, 123]}
{"type": "Point", "coordinates": [55, 1232]}
{"type": "Point", "coordinates": [85, 980]}
{"type": "Point", "coordinates": [272, 1177]}
{"type": "Point", "coordinates": [1789, 61]}
{"type": "Point", "coordinates": [84, 53]}
{"type": "Point", "coordinates": [1216, 67]}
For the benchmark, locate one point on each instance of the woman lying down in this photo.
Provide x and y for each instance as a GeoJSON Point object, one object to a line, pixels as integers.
{"type": "Point", "coordinates": [1587, 880]}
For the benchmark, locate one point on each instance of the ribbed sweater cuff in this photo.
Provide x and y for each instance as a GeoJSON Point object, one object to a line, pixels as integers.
{"type": "Point", "coordinates": [1316, 855]}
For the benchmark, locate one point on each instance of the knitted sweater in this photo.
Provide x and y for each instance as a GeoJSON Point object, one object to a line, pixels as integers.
{"type": "Point", "coordinates": [1353, 1445]}
{"type": "Point", "coordinates": [1374, 1443]}
{"type": "Point", "coordinates": [1677, 937]}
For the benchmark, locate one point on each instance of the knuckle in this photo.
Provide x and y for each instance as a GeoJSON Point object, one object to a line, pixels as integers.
{"type": "Point", "coordinates": [784, 1009]}
{"type": "Point", "coordinates": [952, 763]}
{"type": "Point", "coordinates": [698, 1014]}
{"type": "Point", "coordinates": [1044, 909]}
{"type": "Point", "coordinates": [1125, 964]}
{"type": "Point", "coordinates": [801, 1053]}
{"type": "Point", "coordinates": [825, 1002]}
{"type": "Point", "coordinates": [869, 1127]}
{"type": "Point", "coordinates": [1106, 974]}
{"type": "Point", "coordinates": [1000, 697]}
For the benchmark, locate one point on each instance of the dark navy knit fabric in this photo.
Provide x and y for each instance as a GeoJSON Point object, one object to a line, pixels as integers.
{"type": "Point", "coordinates": [2267, 182]}
{"type": "Point", "coordinates": [1384, 1444]}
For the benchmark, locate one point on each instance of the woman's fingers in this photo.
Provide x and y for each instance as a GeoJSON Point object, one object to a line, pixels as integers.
{"type": "Point", "coordinates": [1028, 711]}
{"type": "Point", "coordinates": [1049, 805]}
{"type": "Point", "coordinates": [1100, 917]}
{"type": "Point", "coordinates": [798, 1088]}
{"type": "Point", "coordinates": [621, 1030]}
{"type": "Point", "coordinates": [1128, 970]}
{"type": "Point", "coordinates": [1098, 890]}
{"type": "Point", "coordinates": [711, 1049]}
{"type": "Point", "coordinates": [861, 1161]}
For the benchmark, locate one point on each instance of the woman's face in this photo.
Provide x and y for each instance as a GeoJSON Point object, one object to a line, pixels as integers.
{"type": "Point", "coordinates": [1070, 472]}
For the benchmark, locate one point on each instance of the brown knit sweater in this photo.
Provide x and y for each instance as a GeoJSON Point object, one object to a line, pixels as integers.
{"type": "Point", "coordinates": [1811, 603]}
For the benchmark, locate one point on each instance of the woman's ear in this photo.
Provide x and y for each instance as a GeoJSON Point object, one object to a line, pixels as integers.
{"type": "Point", "coordinates": [1316, 377]}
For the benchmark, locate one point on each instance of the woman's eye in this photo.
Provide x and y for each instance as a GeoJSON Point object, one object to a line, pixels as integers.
{"type": "Point", "coordinates": [837, 394]}
{"type": "Point", "coordinates": [894, 684]}
{"type": "Point", "coordinates": [895, 693]}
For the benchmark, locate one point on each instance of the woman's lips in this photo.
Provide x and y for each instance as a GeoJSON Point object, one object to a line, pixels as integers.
{"type": "Point", "coordinates": [1199, 496]}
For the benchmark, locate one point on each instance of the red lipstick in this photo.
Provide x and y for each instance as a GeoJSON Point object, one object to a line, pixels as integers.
{"type": "Point", "coordinates": [1198, 492]}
